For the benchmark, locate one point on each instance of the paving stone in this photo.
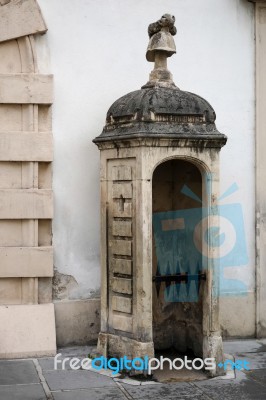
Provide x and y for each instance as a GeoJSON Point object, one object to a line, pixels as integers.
{"type": "Point", "coordinates": [165, 391]}
{"type": "Point", "coordinates": [128, 381]}
{"type": "Point", "coordinates": [18, 372]}
{"type": "Point", "coordinates": [230, 374]}
{"type": "Point", "coordinates": [256, 360]}
{"type": "Point", "coordinates": [22, 392]}
{"type": "Point", "coordinates": [145, 383]}
{"type": "Point", "coordinates": [47, 364]}
{"type": "Point", "coordinates": [242, 346]}
{"type": "Point", "coordinates": [258, 375]}
{"type": "Point", "coordinates": [240, 388]}
{"type": "Point", "coordinates": [107, 372]}
{"type": "Point", "coordinates": [262, 343]}
{"type": "Point", "coordinates": [59, 380]}
{"type": "Point", "coordinates": [90, 394]}
{"type": "Point", "coordinates": [76, 351]}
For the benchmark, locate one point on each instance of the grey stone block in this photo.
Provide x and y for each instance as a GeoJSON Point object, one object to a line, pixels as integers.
{"type": "Point", "coordinates": [18, 372]}
{"type": "Point", "coordinates": [241, 388]}
{"type": "Point", "coordinates": [68, 380]}
{"type": "Point", "coordinates": [165, 391]}
{"type": "Point", "coordinates": [241, 346]}
{"type": "Point", "coordinates": [47, 364]}
{"type": "Point", "coordinates": [76, 351]}
{"type": "Point", "coordinates": [91, 394]}
{"type": "Point", "coordinates": [22, 392]}
{"type": "Point", "coordinates": [256, 360]}
{"type": "Point", "coordinates": [258, 375]}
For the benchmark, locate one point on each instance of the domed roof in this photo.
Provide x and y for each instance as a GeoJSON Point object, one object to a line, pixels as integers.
{"type": "Point", "coordinates": [159, 111]}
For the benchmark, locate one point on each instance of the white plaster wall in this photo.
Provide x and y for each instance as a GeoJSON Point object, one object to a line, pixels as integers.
{"type": "Point", "coordinates": [97, 54]}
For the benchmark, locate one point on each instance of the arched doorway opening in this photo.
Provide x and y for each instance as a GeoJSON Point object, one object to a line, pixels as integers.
{"type": "Point", "coordinates": [178, 270]}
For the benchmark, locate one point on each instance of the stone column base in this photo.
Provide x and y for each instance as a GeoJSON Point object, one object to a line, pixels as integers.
{"type": "Point", "coordinates": [119, 346]}
{"type": "Point", "coordinates": [213, 348]}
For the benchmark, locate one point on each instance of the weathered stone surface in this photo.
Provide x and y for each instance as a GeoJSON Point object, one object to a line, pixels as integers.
{"type": "Point", "coordinates": [121, 247]}
{"type": "Point", "coordinates": [143, 129]}
{"type": "Point", "coordinates": [122, 285]}
{"type": "Point", "coordinates": [125, 345]}
{"type": "Point", "coordinates": [63, 284]}
{"type": "Point", "coordinates": [26, 262]}
{"type": "Point", "coordinates": [160, 47]}
{"type": "Point", "coordinates": [147, 158]}
{"type": "Point", "coordinates": [122, 228]}
{"type": "Point", "coordinates": [18, 373]}
{"type": "Point", "coordinates": [77, 322]}
{"type": "Point", "coordinates": [122, 190]}
{"type": "Point", "coordinates": [26, 204]}
{"type": "Point", "coordinates": [160, 34]}
{"type": "Point", "coordinates": [229, 318]}
{"type": "Point", "coordinates": [91, 394]}
{"type": "Point", "coordinates": [122, 173]}
{"type": "Point", "coordinates": [15, 146]}
{"type": "Point", "coordinates": [121, 266]}
{"type": "Point", "coordinates": [45, 292]}
{"type": "Point", "coordinates": [27, 330]}
{"type": "Point", "coordinates": [160, 112]}
{"type": "Point", "coordinates": [20, 18]}
{"type": "Point", "coordinates": [68, 380]}
{"type": "Point", "coordinates": [256, 361]}
{"type": "Point", "coordinates": [122, 212]}
{"type": "Point", "coordinates": [244, 346]}
{"type": "Point", "coordinates": [173, 391]}
{"type": "Point", "coordinates": [241, 388]}
{"type": "Point", "coordinates": [122, 322]}
{"type": "Point", "coordinates": [22, 392]}
{"type": "Point", "coordinates": [26, 88]}
{"type": "Point", "coordinates": [122, 304]}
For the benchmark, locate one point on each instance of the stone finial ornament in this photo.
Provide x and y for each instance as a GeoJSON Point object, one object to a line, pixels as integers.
{"type": "Point", "coordinates": [160, 47]}
{"type": "Point", "coordinates": [160, 34]}
{"type": "Point", "coordinates": [167, 20]}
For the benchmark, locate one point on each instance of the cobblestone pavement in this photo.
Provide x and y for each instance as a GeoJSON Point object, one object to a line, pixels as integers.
{"type": "Point", "coordinates": [36, 379]}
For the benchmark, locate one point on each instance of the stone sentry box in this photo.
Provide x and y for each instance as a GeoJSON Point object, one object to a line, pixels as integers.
{"type": "Point", "coordinates": [157, 140]}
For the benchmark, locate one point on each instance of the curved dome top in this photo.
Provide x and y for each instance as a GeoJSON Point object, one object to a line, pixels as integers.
{"type": "Point", "coordinates": [160, 101]}
{"type": "Point", "coordinates": [159, 111]}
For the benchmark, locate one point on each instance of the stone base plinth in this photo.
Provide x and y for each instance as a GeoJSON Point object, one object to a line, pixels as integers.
{"type": "Point", "coordinates": [213, 348]}
{"type": "Point", "coordinates": [119, 346]}
{"type": "Point", "coordinates": [27, 331]}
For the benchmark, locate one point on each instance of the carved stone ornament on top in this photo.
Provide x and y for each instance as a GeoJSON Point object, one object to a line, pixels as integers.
{"type": "Point", "coordinates": [160, 47]}
{"type": "Point", "coordinates": [160, 109]}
